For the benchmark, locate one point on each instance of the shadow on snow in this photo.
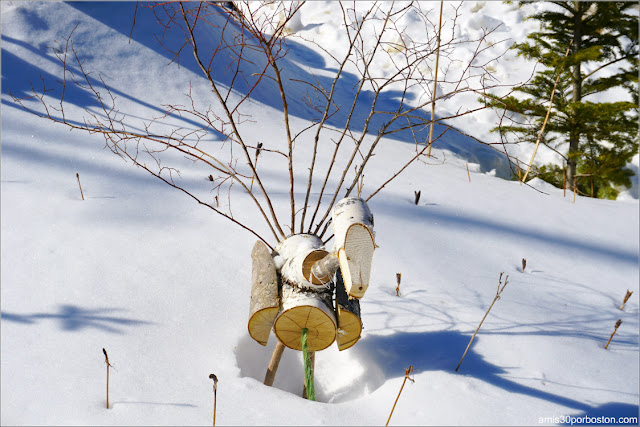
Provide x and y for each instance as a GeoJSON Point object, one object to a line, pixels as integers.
{"type": "Point", "coordinates": [298, 64]}
{"type": "Point", "coordinates": [72, 318]}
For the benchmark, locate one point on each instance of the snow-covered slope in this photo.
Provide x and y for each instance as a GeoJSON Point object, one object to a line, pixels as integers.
{"type": "Point", "coordinates": [163, 284]}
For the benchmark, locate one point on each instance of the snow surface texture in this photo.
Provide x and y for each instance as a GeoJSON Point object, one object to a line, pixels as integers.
{"type": "Point", "coordinates": [164, 285]}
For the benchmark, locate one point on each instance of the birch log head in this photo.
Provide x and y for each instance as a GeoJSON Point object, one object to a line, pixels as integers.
{"type": "Point", "coordinates": [352, 223]}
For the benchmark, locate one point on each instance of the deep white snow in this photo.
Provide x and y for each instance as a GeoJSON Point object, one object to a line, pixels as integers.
{"type": "Point", "coordinates": [163, 284]}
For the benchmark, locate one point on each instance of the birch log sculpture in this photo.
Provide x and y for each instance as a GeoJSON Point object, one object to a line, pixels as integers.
{"type": "Point", "coordinates": [352, 223]}
{"type": "Point", "coordinates": [306, 299]}
{"type": "Point", "coordinates": [348, 315]}
{"type": "Point", "coordinates": [265, 302]}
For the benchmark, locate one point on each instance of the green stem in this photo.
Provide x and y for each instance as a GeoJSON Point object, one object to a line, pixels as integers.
{"type": "Point", "coordinates": [308, 369]}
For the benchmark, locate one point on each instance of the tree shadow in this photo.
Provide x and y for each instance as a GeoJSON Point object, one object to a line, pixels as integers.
{"type": "Point", "coordinates": [182, 405]}
{"type": "Point", "coordinates": [296, 67]}
{"type": "Point", "coordinates": [21, 78]}
{"type": "Point", "coordinates": [441, 351]}
{"type": "Point", "coordinates": [460, 221]}
{"type": "Point", "coordinates": [72, 318]}
{"type": "Point", "coordinates": [377, 358]}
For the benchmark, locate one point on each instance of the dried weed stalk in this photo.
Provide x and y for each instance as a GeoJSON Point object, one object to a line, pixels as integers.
{"type": "Point", "coordinates": [497, 297]}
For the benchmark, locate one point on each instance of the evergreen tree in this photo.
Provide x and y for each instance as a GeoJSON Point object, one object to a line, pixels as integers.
{"type": "Point", "coordinates": [595, 138]}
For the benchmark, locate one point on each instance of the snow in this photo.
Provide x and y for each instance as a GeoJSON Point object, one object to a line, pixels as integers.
{"type": "Point", "coordinates": [163, 285]}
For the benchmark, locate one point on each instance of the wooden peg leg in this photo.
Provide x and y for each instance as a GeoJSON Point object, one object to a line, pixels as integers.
{"type": "Point", "coordinates": [273, 364]}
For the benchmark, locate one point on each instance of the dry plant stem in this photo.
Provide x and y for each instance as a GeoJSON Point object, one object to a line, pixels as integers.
{"type": "Point", "coordinates": [468, 174]}
{"type": "Point", "coordinates": [615, 329]}
{"type": "Point", "coordinates": [106, 360]}
{"type": "Point", "coordinates": [407, 372]}
{"type": "Point", "coordinates": [398, 278]}
{"type": "Point", "coordinates": [267, 47]}
{"type": "Point", "coordinates": [564, 180]}
{"type": "Point", "coordinates": [519, 171]}
{"type": "Point", "coordinates": [325, 116]}
{"type": "Point", "coordinates": [115, 137]}
{"type": "Point", "coordinates": [256, 165]}
{"type": "Point", "coordinates": [358, 143]}
{"type": "Point", "coordinates": [273, 363]}
{"type": "Point", "coordinates": [497, 297]}
{"type": "Point", "coordinates": [78, 176]}
{"type": "Point", "coordinates": [406, 165]}
{"type": "Point", "coordinates": [215, 392]}
{"type": "Point", "coordinates": [229, 115]}
{"type": "Point", "coordinates": [544, 123]}
{"type": "Point", "coordinates": [626, 298]}
{"type": "Point", "coordinates": [524, 264]}
{"type": "Point", "coordinates": [435, 82]}
{"type": "Point", "coordinates": [245, 35]}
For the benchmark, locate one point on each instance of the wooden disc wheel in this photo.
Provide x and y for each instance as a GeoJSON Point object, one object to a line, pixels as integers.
{"type": "Point", "coordinates": [321, 326]}
{"type": "Point", "coordinates": [349, 330]}
{"type": "Point", "coordinates": [261, 322]}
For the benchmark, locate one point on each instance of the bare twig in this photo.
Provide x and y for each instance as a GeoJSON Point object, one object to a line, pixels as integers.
{"type": "Point", "coordinates": [497, 297]}
{"type": "Point", "coordinates": [544, 123]}
{"type": "Point", "coordinates": [564, 179]}
{"type": "Point", "coordinates": [435, 82]}
{"type": "Point", "coordinates": [81, 194]}
{"type": "Point", "coordinates": [249, 47]}
{"type": "Point", "coordinates": [615, 329]}
{"type": "Point", "coordinates": [215, 391]}
{"type": "Point", "coordinates": [106, 360]}
{"type": "Point", "coordinates": [407, 372]}
{"type": "Point", "coordinates": [398, 278]}
{"type": "Point", "coordinates": [626, 298]}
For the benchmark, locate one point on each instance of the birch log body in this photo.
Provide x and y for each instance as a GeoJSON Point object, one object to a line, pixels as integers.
{"type": "Point", "coordinates": [265, 302]}
{"type": "Point", "coordinates": [352, 223]}
{"type": "Point", "coordinates": [348, 316]}
{"type": "Point", "coordinates": [301, 309]}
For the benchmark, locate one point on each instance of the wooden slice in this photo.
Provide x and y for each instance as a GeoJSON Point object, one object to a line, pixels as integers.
{"type": "Point", "coordinates": [309, 310]}
{"type": "Point", "coordinates": [349, 329]}
{"type": "Point", "coordinates": [261, 322]}
{"type": "Point", "coordinates": [322, 328]}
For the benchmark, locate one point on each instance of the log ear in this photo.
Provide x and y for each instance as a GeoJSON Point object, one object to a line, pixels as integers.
{"type": "Point", "coordinates": [265, 299]}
